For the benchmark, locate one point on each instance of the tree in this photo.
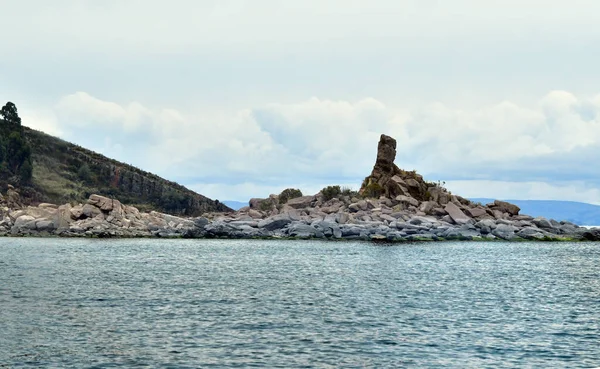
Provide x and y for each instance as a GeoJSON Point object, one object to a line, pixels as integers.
{"type": "Point", "coordinates": [84, 172]}
{"type": "Point", "coordinates": [26, 171]}
{"type": "Point", "coordinates": [17, 151]}
{"type": "Point", "coordinates": [10, 114]}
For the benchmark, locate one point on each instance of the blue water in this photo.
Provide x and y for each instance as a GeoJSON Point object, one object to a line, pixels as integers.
{"type": "Point", "coordinates": [225, 303]}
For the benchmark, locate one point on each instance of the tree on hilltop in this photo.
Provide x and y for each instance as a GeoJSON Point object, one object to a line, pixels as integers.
{"type": "Point", "coordinates": [10, 114]}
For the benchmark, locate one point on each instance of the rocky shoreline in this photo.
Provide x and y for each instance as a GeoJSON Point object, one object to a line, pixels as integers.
{"type": "Point", "coordinates": [305, 218]}
{"type": "Point", "coordinates": [392, 205]}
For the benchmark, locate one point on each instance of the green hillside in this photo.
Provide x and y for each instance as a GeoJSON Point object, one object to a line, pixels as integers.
{"type": "Point", "coordinates": [47, 169]}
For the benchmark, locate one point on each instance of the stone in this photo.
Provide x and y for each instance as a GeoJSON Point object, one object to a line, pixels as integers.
{"type": "Point", "coordinates": [302, 230]}
{"type": "Point", "coordinates": [24, 222]}
{"type": "Point", "coordinates": [90, 211]}
{"type": "Point", "coordinates": [592, 234]}
{"type": "Point", "coordinates": [427, 206]}
{"type": "Point", "coordinates": [456, 214]}
{"type": "Point", "coordinates": [255, 213]}
{"type": "Point", "coordinates": [407, 201]}
{"type": "Point", "coordinates": [44, 225]}
{"type": "Point", "coordinates": [542, 222]}
{"type": "Point", "coordinates": [532, 234]}
{"type": "Point", "coordinates": [63, 219]}
{"type": "Point", "coordinates": [476, 212]}
{"type": "Point", "coordinates": [274, 223]}
{"type": "Point", "coordinates": [504, 231]}
{"type": "Point", "coordinates": [301, 202]}
{"type": "Point", "coordinates": [342, 218]}
{"type": "Point", "coordinates": [488, 223]}
{"type": "Point", "coordinates": [439, 195]}
{"type": "Point", "coordinates": [411, 182]}
{"type": "Point", "coordinates": [13, 199]}
{"type": "Point", "coordinates": [77, 212]}
{"type": "Point", "coordinates": [101, 202]}
{"type": "Point", "coordinates": [355, 207]}
{"type": "Point", "coordinates": [201, 222]}
{"type": "Point", "coordinates": [438, 212]}
{"type": "Point", "coordinates": [506, 207]}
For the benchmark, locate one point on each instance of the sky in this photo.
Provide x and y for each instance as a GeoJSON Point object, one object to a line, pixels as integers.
{"type": "Point", "coordinates": [242, 98]}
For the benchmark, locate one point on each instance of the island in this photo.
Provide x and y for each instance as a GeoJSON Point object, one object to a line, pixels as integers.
{"type": "Point", "coordinates": [392, 205]}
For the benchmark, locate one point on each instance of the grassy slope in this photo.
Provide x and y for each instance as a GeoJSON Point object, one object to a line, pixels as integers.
{"type": "Point", "coordinates": [57, 178]}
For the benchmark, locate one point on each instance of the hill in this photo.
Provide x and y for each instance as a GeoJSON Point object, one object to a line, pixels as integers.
{"type": "Point", "coordinates": [56, 171]}
{"type": "Point", "coordinates": [577, 212]}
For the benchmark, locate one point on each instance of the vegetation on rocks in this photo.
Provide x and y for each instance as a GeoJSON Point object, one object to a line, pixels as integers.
{"type": "Point", "coordinates": [331, 192]}
{"type": "Point", "coordinates": [288, 194]}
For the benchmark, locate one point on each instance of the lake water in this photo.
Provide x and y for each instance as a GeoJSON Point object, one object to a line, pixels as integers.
{"type": "Point", "coordinates": [297, 304]}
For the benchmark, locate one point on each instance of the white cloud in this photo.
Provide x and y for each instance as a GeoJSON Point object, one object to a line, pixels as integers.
{"type": "Point", "coordinates": [318, 142]}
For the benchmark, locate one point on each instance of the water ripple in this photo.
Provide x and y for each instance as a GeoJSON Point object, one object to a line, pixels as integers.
{"type": "Point", "coordinates": [217, 303]}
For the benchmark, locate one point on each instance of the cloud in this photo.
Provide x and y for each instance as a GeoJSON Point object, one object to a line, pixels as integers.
{"type": "Point", "coordinates": [320, 141]}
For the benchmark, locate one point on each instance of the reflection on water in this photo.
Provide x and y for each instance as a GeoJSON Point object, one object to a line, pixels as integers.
{"type": "Point", "coordinates": [203, 303]}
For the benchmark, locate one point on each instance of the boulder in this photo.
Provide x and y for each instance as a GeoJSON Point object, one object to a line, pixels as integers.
{"type": "Point", "coordinates": [77, 212]}
{"type": "Point", "coordinates": [407, 201]}
{"type": "Point", "coordinates": [90, 211]}
{"type": "Point", "coordinates": [506, 207]}
{"type": "Point", "coordinates": [276, 222]}
{"type": "Point", "coordinates": [504, 231]}
{"type": "Point", "coordinates": [592, 234]}
{"type": "Point", "coordinates": [101, 202]}
{"type": "Point", "coordinates": [438, 212]}
{"type": "Point", "coordinates": [427, 206]}
{"type": "Point", "coordinates": [439, 195]}
{"type": "Point", "coordinates": [24, 222]}
{"type": "Point", "coordinates": [62, 218]}
{"type": "Point", "coordinates": [13, 199]}
{"type": "Point", "coordinates": [543, 223]}
{"type": "Point", "coordinates": [302, 230]}
{"type": "Point", "coordinates": [476, 212]}
{"type": "Point", "coordinates": [456, 214]}
{"type": "Point", "coordinates": [255, 214]}
{"type": "Point", "coordinates": [44, 225]}
{"type": "Point", "coordinates": [342, 218]}
{"type": "Point", "coordinates": [301, 202]}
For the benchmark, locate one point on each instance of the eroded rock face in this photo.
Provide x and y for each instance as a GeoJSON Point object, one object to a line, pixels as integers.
{"type": "Point", "coordinates": [388, 180]}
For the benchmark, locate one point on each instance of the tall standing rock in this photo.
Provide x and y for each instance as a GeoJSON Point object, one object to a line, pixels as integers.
{"type": "Point", "coordinates": [388, 180]}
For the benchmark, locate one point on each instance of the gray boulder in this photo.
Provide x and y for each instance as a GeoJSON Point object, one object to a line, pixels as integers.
{"type": "Point", "coordinates": [276, 222]}
{"type": "Point", "coordinates": [543, 223]}
{"type": "Point", "coordinates": [505, 231]}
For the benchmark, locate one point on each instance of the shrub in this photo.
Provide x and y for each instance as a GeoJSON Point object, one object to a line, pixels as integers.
{"type": "Point", "coordinates": [266, 205]}
{"type": "Point", "coordinates": [373, 190]}
{"type": "Point", "coordinates": [330, 192]}
{"type": "Point", "coordinates": [84, 173]}
{"type": "Point", "coordinates": [288, 194]}
{"type": "Point", "coordinates": [347, 191]}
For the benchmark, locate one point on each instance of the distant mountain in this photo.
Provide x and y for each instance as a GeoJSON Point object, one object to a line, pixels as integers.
{"type": "Point", "coordinates": [62, 172]}
{"type": "Point", "coordinates": [577, 212]}
{"type": "Point", "coordinates": [235, 205]}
